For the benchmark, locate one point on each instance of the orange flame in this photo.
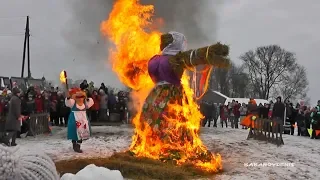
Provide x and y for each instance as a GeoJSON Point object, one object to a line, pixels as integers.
{"type": "Point", "coordinates": [129, 27]}
{"type": "Point", "coordinates": [63, 78]}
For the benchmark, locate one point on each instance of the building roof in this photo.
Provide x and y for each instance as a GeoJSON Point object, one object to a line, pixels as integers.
{"type": "Point", "coordinates": [220, 94]}
{"type": "Point", "coordinates": [214, 97]}
{"type": "Point", "coordinates": [246, 100]}
{"type": "Point", "coordinates": [218, 97]}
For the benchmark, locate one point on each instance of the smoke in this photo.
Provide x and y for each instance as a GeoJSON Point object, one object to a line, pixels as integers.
{"type": "Point", "coordinates": [82, 32]}
{"type": "Point", "coordinates": [197, 19]}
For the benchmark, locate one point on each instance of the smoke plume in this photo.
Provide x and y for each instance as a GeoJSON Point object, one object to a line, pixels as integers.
{"type": "Point", "coordinates": [197, 19]}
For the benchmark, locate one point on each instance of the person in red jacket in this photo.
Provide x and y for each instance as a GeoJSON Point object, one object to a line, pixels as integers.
{"type": "Point", "coordinates": [39, 103]}
{"type": "Point", "coordinates": [96, 106]}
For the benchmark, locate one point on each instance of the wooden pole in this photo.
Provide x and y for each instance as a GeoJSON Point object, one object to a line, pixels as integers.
{"type": "Point", "coordinates": [24, 46]}
{"type": "Point", "coordinates": [28, 43]}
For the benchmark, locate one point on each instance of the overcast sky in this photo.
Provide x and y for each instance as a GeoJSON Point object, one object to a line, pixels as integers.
{"type": "Point", "coordinates": [243, 24]}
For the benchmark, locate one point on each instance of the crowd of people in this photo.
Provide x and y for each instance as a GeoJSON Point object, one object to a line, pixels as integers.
{"type": "Point", "coordinates": [52, 101]}
{"type": "Point", "coordinates": [298, 117]}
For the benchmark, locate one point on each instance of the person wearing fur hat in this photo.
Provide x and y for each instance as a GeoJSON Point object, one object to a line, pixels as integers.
{"type": "Point", "coordinates": [78, 123]}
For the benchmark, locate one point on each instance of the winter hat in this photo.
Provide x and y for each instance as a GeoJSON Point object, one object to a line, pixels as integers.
{"type": "Point", "coordinates": [26, 165]}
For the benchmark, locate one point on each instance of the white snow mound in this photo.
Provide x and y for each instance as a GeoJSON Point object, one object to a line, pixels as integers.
{"type": "Point", "coordinates": [93, 172]}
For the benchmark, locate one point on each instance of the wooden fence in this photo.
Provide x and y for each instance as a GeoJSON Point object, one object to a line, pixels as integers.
{"type": "Point", "coordinates": [269, 130]}
{"type": "Point", "coordinates": [36, 124]}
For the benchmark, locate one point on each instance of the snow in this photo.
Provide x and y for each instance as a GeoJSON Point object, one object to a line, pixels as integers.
{"type": "Point", "coordinates": [104, 142]}
{"type": "Point", "coordinates": [235, 150]}
{"type": "Point", "coordinates": [93, 172]}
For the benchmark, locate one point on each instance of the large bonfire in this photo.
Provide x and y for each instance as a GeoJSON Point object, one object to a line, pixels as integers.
{"type": "Point", "coordinates": [131, 29]}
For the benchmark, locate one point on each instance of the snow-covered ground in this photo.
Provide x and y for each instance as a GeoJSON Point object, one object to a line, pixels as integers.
{"type": "Point", "coordinates": [303, 152]}
{"type": "Point", "coordinates": [104, 142]}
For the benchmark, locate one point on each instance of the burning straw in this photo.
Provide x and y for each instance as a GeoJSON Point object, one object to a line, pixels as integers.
{"type": "Point", "coordinates": [129, 28]}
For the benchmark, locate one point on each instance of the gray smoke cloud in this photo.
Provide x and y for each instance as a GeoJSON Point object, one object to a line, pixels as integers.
{"type": "Point", "coordinates": [197, 19]}
{"type": "Point", "coordinates": [82, 31]}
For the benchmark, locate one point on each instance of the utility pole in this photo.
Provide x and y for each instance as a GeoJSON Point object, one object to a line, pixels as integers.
{"type": "Point", "coordinates": [26, 46]}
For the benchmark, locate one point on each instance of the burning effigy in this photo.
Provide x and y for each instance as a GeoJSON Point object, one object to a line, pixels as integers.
{"type": "Point", "coordinates": [154, 64]}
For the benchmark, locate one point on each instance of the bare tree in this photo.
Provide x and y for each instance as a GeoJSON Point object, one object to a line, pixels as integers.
{"type": "Point", "coordinates": [220, 81]}
{"type": "Point", "coordinates": [239, 81]}
{"type": "Point", "coordinates": [233, 81]}
{"type": "Point", "coordinates": [294, 84]}
{"type": "Point", "coordinates": [266, 65]}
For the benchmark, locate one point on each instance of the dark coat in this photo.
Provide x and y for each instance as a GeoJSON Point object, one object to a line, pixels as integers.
{"type": "Point", "coordinates": [206, 110]}
{"type": "Point", "coordinates": [278, 110]}
{"type": "Point", "coordinates": [300, 119]}
{"type": "Point", "coordinates": [13, 123]}
{"type": "Point", "coordinates": [263, 112]}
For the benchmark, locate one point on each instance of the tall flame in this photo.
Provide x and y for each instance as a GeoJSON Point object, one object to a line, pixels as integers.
{"type": "Point", "coordinates": [129, 27]}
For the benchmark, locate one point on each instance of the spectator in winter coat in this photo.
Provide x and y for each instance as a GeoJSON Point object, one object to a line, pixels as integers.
{"type": "Point", "coordinates": [278, 109]}
{"type": "Point", "coordinates": [270, 110]}
{"type": "Point", "coordinates": [307, 118]}
{"type": "Point", "coordinates": [112, 101]}
{"type": "Point", "coordinates": [300, 122]}
{"type": "Point", "coordinates": [24, 106]}
{"type": "Point", "coordinates": [318, 104]}
{"type": "Point", "coordinates": [215, 114]}
{"type": "Point", "coordinates": [243, 112]}
{"type": "Point", "coordinates": [61, 110]}
{"type": "Point", "coordinates": [205, 110]}
{"type": "Point", "coordinates": [291, 115]}
{"type": "Point", "coordinates": [31, 105]}
{"type": "Point", "coordinates": [263, 111]}
{"type": "Point", "coordinates": [236, 113]}
{"type": "Point", "coordinates": [91, 86]}
{"type": "Point", "coordinates": [53, 113]}
{"type": "Point", "coordinates": [46, 102]}
{"type": "Point", "coordinates": [39, 103]}
{"type": "Point", "coordinates": [315, 115]}
{"type": "Point", "coordinates": [13, 123]}
{"type": "Point", "coordinates": [53, 95]}
{"type": "Point", "coordinates": [230, 111]}
{"type": "Point", "coordinates": [224, 115]}
{"type": "Point", "coordinates": [103, 105]}
{"type": "Point", "coordinates": [96, 106]}
{"type": "Point", "coordinates": [2, 104]}
{"type": "Point", "coordinates": [84, 85]}
{"type": "Point", "coordinates": [104, 88]}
